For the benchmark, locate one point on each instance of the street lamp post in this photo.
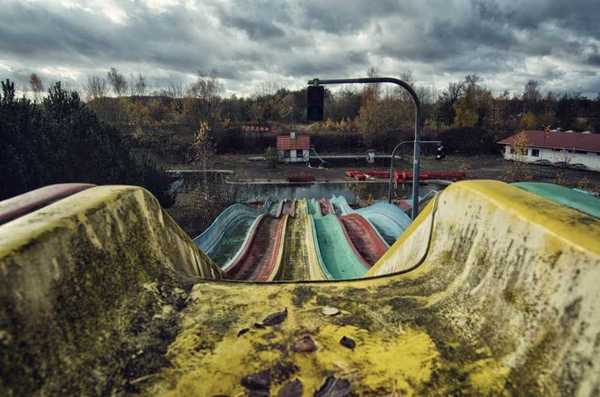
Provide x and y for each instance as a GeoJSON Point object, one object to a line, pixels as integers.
{"type": "Point", "coordinates": [391, 180]}
{"type": "Point", "coordinates": [416, 147]}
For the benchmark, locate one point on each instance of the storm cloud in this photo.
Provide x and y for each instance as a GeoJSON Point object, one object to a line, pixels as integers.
{"type": "Point", "coordinates": [247, 43]}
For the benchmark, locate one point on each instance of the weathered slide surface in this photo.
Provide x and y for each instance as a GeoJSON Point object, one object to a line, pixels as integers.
{"type": "Point", "coordinates": [364, 237]}
{"type": "Point", "coordinates": [23, 204]}
{"type": "Point", "coordinates": [389, 220]}
{"type": "Point", "coordinates": [300, 260]}
{"type": "Point", "coordinates": [80, 281]}
{"type": "Point", "coordinates": [501, 300]}
{"type": "Point", "coordinates": [262, 257]}
{"type": "Point", "coordinates": [496, 295]}
{"type": "Point", "coordinates": [584, 202]}
{"type": "Point", "coordinates": [339, 257]}
{"type": "Point", "coordinates": [225, 236]}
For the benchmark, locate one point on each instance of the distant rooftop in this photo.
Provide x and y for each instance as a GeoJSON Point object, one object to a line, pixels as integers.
{"type": "Point", "coordinates": [297, 142]}
{"type": "Point", "coordinates": [588, 142]}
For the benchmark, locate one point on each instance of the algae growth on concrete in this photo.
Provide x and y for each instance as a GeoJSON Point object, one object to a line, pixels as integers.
{"type": "Point", "coordinates": [492, 290]}
{"type": "Point", "coordinates": [394, 351]}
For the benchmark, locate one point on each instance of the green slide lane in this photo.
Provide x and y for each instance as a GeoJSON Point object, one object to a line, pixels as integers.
{"type": "Point", "coordinates": [338, 256]}
{"type": "Point", "coordinates": [583, 202]}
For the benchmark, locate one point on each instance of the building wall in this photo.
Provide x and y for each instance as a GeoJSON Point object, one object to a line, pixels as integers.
{"type": "Point", "coordinates": [589, 159]}
{"type": "Point", "coordinates": [293, 156]}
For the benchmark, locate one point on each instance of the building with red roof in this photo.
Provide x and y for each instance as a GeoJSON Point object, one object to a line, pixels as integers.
{"type": "Point", "coordinates": [293, 148]}
{"type": "Point", "coordinates": [553, 147]}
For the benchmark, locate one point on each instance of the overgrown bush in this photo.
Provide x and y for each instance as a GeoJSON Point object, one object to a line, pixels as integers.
{"type": "Point", "coordinates": [468, 140]}
{"type": "Point", "coordinates": [61, 140]}
{"type": "Point", "coordinates": [272, 156]}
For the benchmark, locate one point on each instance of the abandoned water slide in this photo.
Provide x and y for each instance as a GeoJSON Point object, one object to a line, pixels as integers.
{"type": "Point", "coordinates": [492, 290]}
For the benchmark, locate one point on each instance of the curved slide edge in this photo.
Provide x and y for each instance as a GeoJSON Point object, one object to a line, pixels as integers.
{"type": "Point", "coordinates": [25, 203]}
{"type": "Point", "coordinates": [80, 269]}
{"type": "Point", "coordinates": [504, 301]}
{"type": "Point", "coordinates": [520, 269]}
{"type": "Point", "coordinates": [208, 240]}
{"type": "Point", "coordinates": [389, 220]}
{"type": "Point", "coordinates": [518, 206]}
{"type": "Point", "coordinates": [245, 247]}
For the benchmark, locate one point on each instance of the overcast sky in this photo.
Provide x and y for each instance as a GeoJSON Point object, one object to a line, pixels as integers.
{"type": "Point", "coordinates": [246, 42]}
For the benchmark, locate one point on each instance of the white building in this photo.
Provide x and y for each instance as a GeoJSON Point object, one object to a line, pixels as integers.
{"type": "Point", "coordinates": [567, 149]}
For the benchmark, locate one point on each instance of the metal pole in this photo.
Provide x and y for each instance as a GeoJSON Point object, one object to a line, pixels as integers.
{"type": "Point", "coordinates": [392, 160]}
{"type": "Point", "coordinates": [416, 166]}
{"type": "Point", "coordinates": [391, 181]}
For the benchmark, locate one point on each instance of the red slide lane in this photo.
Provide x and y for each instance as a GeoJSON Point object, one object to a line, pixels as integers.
{"type": "Point", "coordinates": [364, 237]}
{"type": "Point", "coordinates": [266, 267]}
{"type": "Point", "coordinates": [261, 252]}
{"type": "Point", "coordinates": [25, 203]}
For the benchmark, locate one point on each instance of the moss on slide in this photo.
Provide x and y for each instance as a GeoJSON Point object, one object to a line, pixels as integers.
{"type": "Point", "coordinates": [394, 354]}
{"type": "Point", "coordinates": [88, 310]}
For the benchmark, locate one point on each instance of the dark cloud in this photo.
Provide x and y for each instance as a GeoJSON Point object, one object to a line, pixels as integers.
{"type": "Point", "coordinates": [245, 42]}
{"type": "Point", "coordinates": [255, 30]}
{"type": "Point", "coordinates": [345, 16]}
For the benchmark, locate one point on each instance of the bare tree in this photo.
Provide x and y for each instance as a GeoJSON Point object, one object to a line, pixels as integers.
{"type": "Point", "coordinates": [95, 87]}
{"type": "Point", "coordinates": [138, 85]}
{"type": "Point", "coordinates": [36, 85]}
{"type": "Point", "coordinates": [202, 150]}
{"type": "Point", "coordinates": [268, 88]}
{"type": "Point", "coordinates": [174, 89]}
{"type": "Point", "coordinates": [117, 81]}
{"type": "Point", "coordinates": [532, 95]}
{"type": "Point", "coordinates": [370, 92]}
{"type": "Point", "coordinates": [205, 87]}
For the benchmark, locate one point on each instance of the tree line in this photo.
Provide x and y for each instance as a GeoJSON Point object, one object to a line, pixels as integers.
{"type": "Point", "coordinates": [465, 111]}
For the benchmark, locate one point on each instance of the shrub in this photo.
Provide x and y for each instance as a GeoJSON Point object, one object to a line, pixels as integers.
{"type": "Point", "coordinates": [468, 140]}
{"type": "Point", "coordinates": [61, 140]}
{"type": "Point", "coordinates": [272, 156]}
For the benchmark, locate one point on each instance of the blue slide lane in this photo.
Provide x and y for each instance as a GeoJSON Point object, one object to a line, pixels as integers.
{"type": "Point", "coordinates": [223, 238]}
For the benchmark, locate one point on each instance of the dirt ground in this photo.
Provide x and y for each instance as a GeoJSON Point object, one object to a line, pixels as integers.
{"type": "Point", "coordinates": [475, 167]}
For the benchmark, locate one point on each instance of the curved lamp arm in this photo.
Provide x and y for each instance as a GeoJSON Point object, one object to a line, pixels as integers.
{"type": "Point", "coordinates": [417, 149]}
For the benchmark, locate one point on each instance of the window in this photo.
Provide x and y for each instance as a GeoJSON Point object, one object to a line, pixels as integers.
{"type": "Point", "coordinates": [535, 152]}
{"type": "Point", "coordinates": [512, 150]}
